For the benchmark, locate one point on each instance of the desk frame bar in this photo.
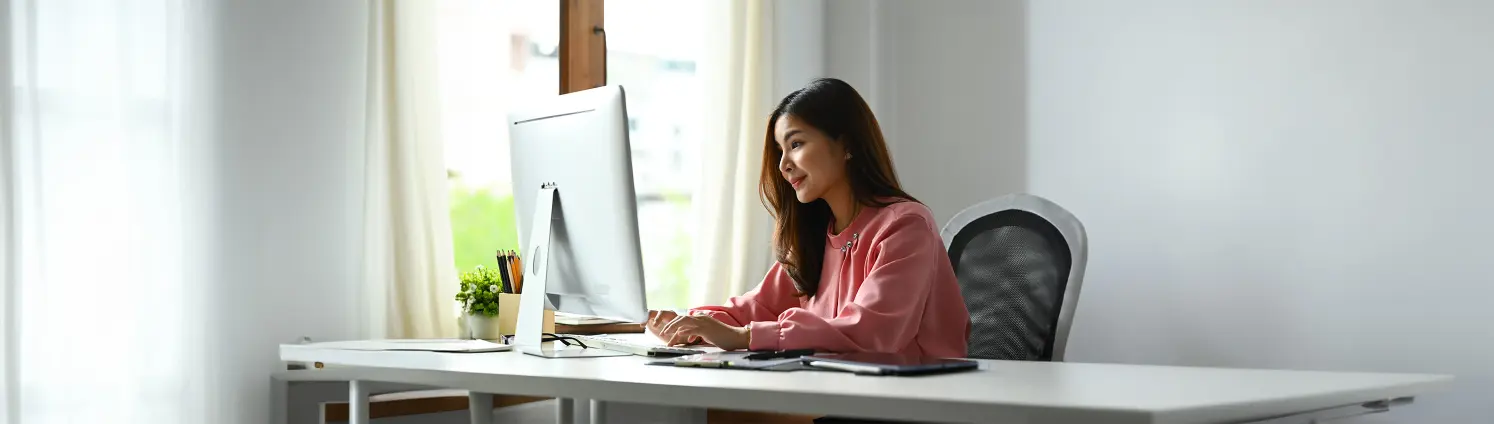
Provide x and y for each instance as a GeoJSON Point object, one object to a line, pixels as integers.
{"type": "Point", "coordinates": [598, 412]}
{"type": "Point", "coordinates": [358, 402]}
{"type": "Point", "coordinates": [480, 407]}
{"type": "Point", "coordinates": [565, 411]}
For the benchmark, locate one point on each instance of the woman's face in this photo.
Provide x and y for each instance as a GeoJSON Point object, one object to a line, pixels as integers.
{"type": "Point", "coordinates": [812, 162]}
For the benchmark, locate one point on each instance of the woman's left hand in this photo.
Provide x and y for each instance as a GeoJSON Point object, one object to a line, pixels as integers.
{"type": "Point", "coordinates": [686, 328]}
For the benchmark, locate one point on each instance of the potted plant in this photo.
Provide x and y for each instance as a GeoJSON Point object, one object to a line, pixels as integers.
{"type": "Point", "coordinates": [479, 299]}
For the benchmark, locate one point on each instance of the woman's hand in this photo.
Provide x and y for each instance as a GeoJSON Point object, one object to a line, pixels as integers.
{"type": "Point", "coordinates": [684, 329]}
{"type": "Point", "coordinates": [657, 320]}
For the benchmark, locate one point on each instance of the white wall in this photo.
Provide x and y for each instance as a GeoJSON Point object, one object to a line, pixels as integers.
{"type": "Point", "coordinates": [947, 81]}
{"type": "Point", "coordinates": [850, 40]}
{"type": "Point", "coordinates": [1277, 184]}
{"type": "Point", "coordinates": [798, 45]}
{"type": "Point", "coordinates": [291, 85]}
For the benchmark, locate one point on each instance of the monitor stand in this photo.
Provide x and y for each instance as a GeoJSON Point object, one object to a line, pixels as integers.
{"type": "Point", "coordinates": [528, 334]}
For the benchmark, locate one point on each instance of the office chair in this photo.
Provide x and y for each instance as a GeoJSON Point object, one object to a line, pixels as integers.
{"type": "Point", "coordinates": [1019, 260]}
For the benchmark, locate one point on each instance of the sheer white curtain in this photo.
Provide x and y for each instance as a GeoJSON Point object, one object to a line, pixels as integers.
{"type": "Point", "coordinates": [142, 150]}
{"type": "Point", "coordinates": [107, 207]}
{"type": "Point", "coordinates": [733, 247]}
{"type": "Point", "coordinates": [9, 366]}
{"type": "Point", "coordinates": [408, 265]}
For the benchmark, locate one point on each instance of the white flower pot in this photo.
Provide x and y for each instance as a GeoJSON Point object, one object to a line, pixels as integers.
{"type": "Point", "coordinates": [484, 327]}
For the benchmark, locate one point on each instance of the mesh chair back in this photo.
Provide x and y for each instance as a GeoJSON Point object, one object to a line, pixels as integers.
{"type": "Point", "coordinates": [1019, 271]}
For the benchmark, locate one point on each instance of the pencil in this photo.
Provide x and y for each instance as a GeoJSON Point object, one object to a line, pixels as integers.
{"type": "Point", "coordinates": [503, 275]}
{"type": "Point", "coordinates": [519, 284]}
{"type": "Point", "coordinates": [498, 259]}
{"type": "Point", "coordinates": [513, 269]}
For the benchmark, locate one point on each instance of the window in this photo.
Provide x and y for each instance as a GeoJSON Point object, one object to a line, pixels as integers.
{"type": "Point", "coordinates": [654, 64]}
{"type": "Point", "coordinates": [481, 78]}
{"type": "Point", "coordinates": [651, 52]}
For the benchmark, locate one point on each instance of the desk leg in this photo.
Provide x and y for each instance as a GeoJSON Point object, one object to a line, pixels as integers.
{"type": "Point", "coordinates": [598, 412]}
{"type": "Point", "coordinates": [358, 402]}
{"type": "Point", "coordinates": [566, 411]}
{"type": "Point", "coordinates": [480, 405]}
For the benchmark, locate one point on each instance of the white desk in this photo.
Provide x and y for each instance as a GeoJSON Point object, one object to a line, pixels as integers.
{"type": "Point", "coordinates": [1002, 391]}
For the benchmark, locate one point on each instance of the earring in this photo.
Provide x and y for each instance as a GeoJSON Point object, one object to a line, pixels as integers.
{"type": "Point", "coordinates": [848, 156]}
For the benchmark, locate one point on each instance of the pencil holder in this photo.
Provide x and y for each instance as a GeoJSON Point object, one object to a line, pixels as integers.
{"type": "Point", "coordinates": [508, 315]}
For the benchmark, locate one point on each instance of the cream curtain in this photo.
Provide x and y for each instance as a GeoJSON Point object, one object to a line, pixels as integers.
{"type": "Point", "coordinates": [407, 232]}
{"type": "Point", "coordinates": [733, 248]}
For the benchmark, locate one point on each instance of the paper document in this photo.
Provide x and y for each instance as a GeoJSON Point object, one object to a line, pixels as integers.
{"type": "Point", "coordinates": [427, 345]}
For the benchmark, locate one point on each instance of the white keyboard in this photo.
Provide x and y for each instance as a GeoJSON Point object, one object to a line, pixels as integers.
{"type": "Point", "coordinates": [641, 344]}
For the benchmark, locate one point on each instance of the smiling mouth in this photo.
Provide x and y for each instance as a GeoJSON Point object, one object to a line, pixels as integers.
{"type": "Point", "coordinates": [796, 183]}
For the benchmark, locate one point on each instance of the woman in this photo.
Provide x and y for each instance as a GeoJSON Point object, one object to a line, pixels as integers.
{"type": "Point", "coordinates": [861, 266]}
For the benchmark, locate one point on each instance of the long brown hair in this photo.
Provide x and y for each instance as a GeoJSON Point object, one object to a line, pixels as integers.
{"type": "Point", "coordinates": [836, 109]}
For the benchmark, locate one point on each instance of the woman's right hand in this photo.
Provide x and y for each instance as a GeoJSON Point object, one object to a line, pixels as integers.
{"type": "Point", "coordinates": [659, 320]}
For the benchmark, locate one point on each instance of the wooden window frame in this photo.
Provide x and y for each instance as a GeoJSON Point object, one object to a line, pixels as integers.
{"type": "Point", "coordinates": [583, 47]}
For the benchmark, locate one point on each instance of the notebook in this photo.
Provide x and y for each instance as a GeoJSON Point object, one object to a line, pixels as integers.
{"type": "Point", "coordinates": [868, 363]}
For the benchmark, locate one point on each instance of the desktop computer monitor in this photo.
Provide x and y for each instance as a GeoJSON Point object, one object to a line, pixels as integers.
{"type": "Point", "coordinates": [577, 143]}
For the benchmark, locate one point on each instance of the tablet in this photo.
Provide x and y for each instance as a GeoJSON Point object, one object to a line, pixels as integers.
{"type": "Point", "coordinates": [889, 364]}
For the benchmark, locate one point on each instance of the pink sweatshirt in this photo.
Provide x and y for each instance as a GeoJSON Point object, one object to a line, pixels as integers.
{"type": "Point", "coordinates": [891, 290]}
